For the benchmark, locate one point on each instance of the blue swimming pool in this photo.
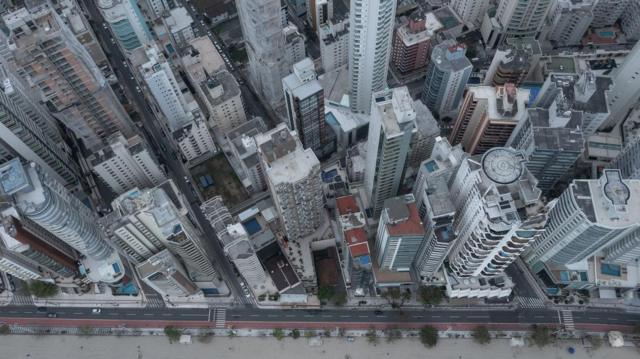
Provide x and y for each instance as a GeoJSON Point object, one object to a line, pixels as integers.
{"type": "Point", "coordinates": [610, 269]}
{"type": "Point", "coordinates": [252, 226]}
{"type": "Point", "coordinates": [431, 166]}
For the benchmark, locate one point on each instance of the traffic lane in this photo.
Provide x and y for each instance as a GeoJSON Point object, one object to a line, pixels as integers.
{"type": "Point", "coordinates": [600, 317]}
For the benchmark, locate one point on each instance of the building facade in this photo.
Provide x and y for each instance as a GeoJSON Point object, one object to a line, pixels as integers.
{"type": "Point", "coordinates": [570, 20]}
{"type": "Point", "coordinates": [126, 22]}
{"type": "Point", "coordinates": [371, 29]}
{"type": "Point", "coordinates": [334, 44]}
{"type": "Point", "coordinates": [412, 41]}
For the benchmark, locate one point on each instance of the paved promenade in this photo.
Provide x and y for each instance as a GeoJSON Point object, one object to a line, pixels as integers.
{"type": "Point", "coordinates": [65, 347]}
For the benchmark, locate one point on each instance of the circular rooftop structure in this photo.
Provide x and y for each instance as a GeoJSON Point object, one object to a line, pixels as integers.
{"type": "Point", "coordinates": [502, 165]}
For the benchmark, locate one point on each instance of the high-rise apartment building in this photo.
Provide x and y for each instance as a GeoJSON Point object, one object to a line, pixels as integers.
{"type": "Point", "coordinates": [607, 12]}
{"type": "Point", "coordinates": [424, 137]}
{"type": "Point", "coordinates": [435, 208]}
{"type": "Point", "coordinates": [27, 251]}
{"type": "Point", "coordinates": [631, 21]}
{"type": "Point", "coordinates": [584, 92]}
{"type": "Point", "coordinates": [244, 150]}
{"type": "Point", "coordinates": [551, 142]}
{"type": "Point", "coordinates": [512, 62]}
{"type": "Point", "coordinates": [390, 132]}
{"type": "Point", "coordinates": [126, 22]}
{"type": "Point", "coordinates": [241, 252]}
{"type": "Point", "coordinates": [180, 25]}
{"type": "Point", "coordinates": [293, 177]}
{"type": "Point", "coordinates": [195, 141]}
{"type": "Point", "coordinates": [400, 234]}
{"type": "Point", "coordinates": [570, 20]}
{"type": "Point", "coordinates": [471, 11]}
{"type": "Point", "coordinates": [294, 47]}
{"type": "Point", "coordinates": [588, 217]}
{"type": "Point", "coordinates": [125, 164]}
{"type": "Point", "coordinates": [164, 273]}
{"type": "Point", "coordinates": [488, 116]}
{"type": "Point", "coordinates": [371, 29]}
{"type": "Point", "coordinates": [304, 100]}
{"type": "Point", "coordinates": [159, 7]}
{"type": "Point", "coordinates": [28, 131]}
{"type": "Point", "coordinates": [46, 202]}
{"type": "Point", "coordinates": [624, 93]}
{"type": "Point", "coordinates": [334, 44]}
{"type": "Point", "coordinates": [45, 51]}
{"type": "Point", "coordinates": [152, 219]}
{"type": "Point", "coordinates": [412, 41]}
{"type": "Point", "coordinates": [628, 161]}
{"type": "Point", "coordinates": [319, 12]}
{"type": "Point", "coordinates": [223, 101]}
{"type": "Point", "coordinates": [447, 76]}
{"type": "Point", "coordinates": [521, 18]}
{"type": "Point", "coordinates": [264, 40]}
{"type": "Point", "coordinates": [498, 214]}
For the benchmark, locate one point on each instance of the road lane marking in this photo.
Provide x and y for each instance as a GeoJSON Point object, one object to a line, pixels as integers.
{"type": "Point", "coordinates": [26, 312]}
{"type": "Point", "coordinates": [76, 313]}
{"type": "Point", "coordinates": [271, 315]}
{"type": "Point", "coordinates": [289, 315]}
{"type": "Point", "coordinates": [308, 316]}
{"type": "Point", "coordinates": [435, 316]}
{"type": "Point", "coordinates": [166, 315]}
{"type": "Point", "coordinates": [147, 314]}
{"type": "Point", "coordinates": [363, 316]}
{"type": "Point", "coordinates": [131, 314]}
{"type": "Point", "coordinates": [345, 316]}
{"type": "Point", "coordinates": [327, 316]}
{"type": "Point", "coordinates": [254, 315]}
{"type": "Point", "coordinates": [13, 311]}
{"type": "Point", "coordinates": [454, 316]}
{"type": "Point", "coordinates": [194, 315]}
{"type": "Point", "coordinates": [109, 313]}
{"type": "Point", "coordinates": [417, 316]}
{"type": "Point", "coordinates": [478, 316]}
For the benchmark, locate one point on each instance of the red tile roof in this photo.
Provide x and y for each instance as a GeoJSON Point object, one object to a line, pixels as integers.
{"type": "Point", "coordinates": [355, 236]}
{"type": "Point", "coordinates": [346, 205]}
{"type": "Point", "coordinates": [360, 249]}
{"type": "Point", "coordinates": [412, 226]}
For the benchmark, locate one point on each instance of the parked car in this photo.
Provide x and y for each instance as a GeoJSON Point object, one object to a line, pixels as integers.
{"type": "Point", "coordinates": [52, 315]}
{"type": "Point", "coordinates": [96, 311]}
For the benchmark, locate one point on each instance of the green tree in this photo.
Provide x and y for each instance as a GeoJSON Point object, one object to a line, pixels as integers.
{"type": "Point", "coordinates": [309, 334]}
{"type": "Point", "coordinates": [5, 329]}
{"type": "Point", "coordinates": [40, 289]}
{"type": "Point", "coordinates": [295, 334]}
{"type": "Point", "coordinates": [278, 333]}
{"type": "Point", "coordinates": [393, 334]}
{"type": "Point", "coordinates": [396, 297]}
{"type": "Point", "coordinates": [85, 330]}
{"type": "Point", "coordinates": [339, 298]}
{"type": "Point", "coordinates": [327, 333]}
{"type": "Point", "coordinates": [481, 335]}
{"type": "Point", "coordinates": [325, 293]}
{"type": "Point", "coordinates": [206, 337]}
{"type": "Point", "coordinates": [595, 341]}
{"type": "Point", "coordinates": [341, 332]}
{"type": "Point", "coordinates": [540, 335]}
{"type": "Point", "coordinates": [172, 333]}
{"type": "Point", "coordinates": [430, 295]}
{"type": "Point", "coordinates": [429, 336]}
{"type": "Point", "coordinates": [372, 336]}
{"type": "Point", "coordinates": [231, 333]}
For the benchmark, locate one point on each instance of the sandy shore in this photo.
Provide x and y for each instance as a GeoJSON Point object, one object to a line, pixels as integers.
{"type": "Point", "coordinates": [72, 347]}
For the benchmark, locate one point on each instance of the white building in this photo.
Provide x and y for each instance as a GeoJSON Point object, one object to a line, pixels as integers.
{"type": "Point", "coordinates": [126, 22]}
{"type": "Point", "coordinates": [390, 131]}
{"type": "Point", "coordinates": [245, 152]}
{"type": "Point", "coordinates": [607, 12]}
{"type": "Point", "coordinates": [125, 164]}
{"type": "Point", "coordinates": [195, 141]}
{"type": "Point", "coordinates": [293, 176]}
{"type": "Point", "coordinates": [294, 43]}
{"type": "Point", "coordinates": [521, 18]}
{"type": "Point", "coordinates": [498, 214]}
{"type": "Point", "coordinates": [471, 11]}
{"type": "Point", "coordinates": [162, 84]}
{"type": "Point", "coordinates": [371, 33]}
{"type": "Point", "coordinates": [570, 20]}
{"type": "Point", "coordinates": [334, 44]}
{"type": "Point", "coordinates": [424, 138]}
{"type": "Point", "coordinates": [264, 40]}
{"type": "Point", "coordinates": [319, 12]}
{"type": "Point", "coordinates": [164, 273]}
{"type": "Point", "coordinates": [223, 100]}
{"type": "Point", "coordinates": [158, 7]}
{"type": "Point", "coordinates": [589, 216]}
{"type": "Point", "coordinates": [180, 26]}
{"type": "Point", "coordinates": [240, 251]}
{"type": "Point", "coordinates": [46, 202]}
{"type": "Point", "coordinates": [631, 21]}
{"type": "Point", "coordinates": [625, 90]}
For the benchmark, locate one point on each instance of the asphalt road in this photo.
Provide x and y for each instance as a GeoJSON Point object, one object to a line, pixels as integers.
{"type": "Point", "coordinates": [434, 315]}
{"type": "Point", "coordinates": [155, 137]}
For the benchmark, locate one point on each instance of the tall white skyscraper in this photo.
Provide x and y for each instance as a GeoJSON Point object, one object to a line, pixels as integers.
{"type": "Point", "coordinates": [46, 202]}
{"type": "Point", "coordinates": [371, 34]}
{"type": "Point", "coordinates": [293, 176]}
{"type": "Point", "coordinates": [624, 93]}
{"type": "Point", "coordinates": [498, 214]}
{"type": "Point", "coordinates": [471, 11]}
{"type": "Point", "coordinates": [265, 43]}
{"type": "Point", "coordinates": [125, 164]}
{"type": "Point", "coordinates": [522, 18]}
{"type": "Point", "coordinates": [390, 132]}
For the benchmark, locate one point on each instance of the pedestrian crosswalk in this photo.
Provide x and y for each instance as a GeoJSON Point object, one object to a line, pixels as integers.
{"type": "Point", "coordinates": [19, 299]}
{"type": "Point", "coordinates": [530, 302]}
{"type": "Point", "coordinates": [567, 320]}
{"type": "Point", "coordinates": [219, 317]}
{"type": "Point", "coordinates": [154, 301]}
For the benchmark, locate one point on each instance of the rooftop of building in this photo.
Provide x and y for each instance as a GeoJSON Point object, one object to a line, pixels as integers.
{"type": "Point", "coordinates": [426, 123]}
{"type": "Point", "coordinates": [557, 133]}
{"type": "Point", "coordinates": [278, 267]}
{"type": "Point", "coordinates": [134, 145]}
{"type": "Point", "coordinates": [585, 92]}
{"type": "Point", "coordinates": [241, 137]}
{"type": "Point", "coordinates": [609, 201]}
{"type": "Point", "coordinates": [336, 86]}
{"type": "Point", "coordinates": [403, 216]}
{"type": "Point", "coordinates": [503, 102]}
{"type": "Point", "coordinates": [178, 19]}
{"type": "Point", "coordinates": [201, 58]}
{"type": "Point", "coordinates": [395, 109]}
{"type": "Point", "coordinates": [300, 87]}
{"type": "Point", "coordinates": [286, 159]}
{"type": "Point", "coordinates": [450, 56]}
{"type": "Point", "coordinates": [447, 17]}
{"type": "Point", "coordinates": [347, 205]}
{"type": "Point", "coordinates": [528, 44]}
{"type": "Point", "coordinates": [479, 283]}
{"type": "Point", "coordinates": [344, 118]}
{"type": "Point", "coordinates": [356, 240]}
{"type": "Point", "coordinates": [409, 37]}
{"type": "Point", "coordinates": [221, 80]}
{"type": "Point", "coordinates": [333, 30]}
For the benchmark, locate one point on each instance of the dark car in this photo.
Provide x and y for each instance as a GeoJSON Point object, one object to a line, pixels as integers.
{"type": "Point", "coordinates": [377, 312]}
{"type": "Point", "coordinates": [42, 309]}
{"type": "Point", "coordinates": [52, 315]}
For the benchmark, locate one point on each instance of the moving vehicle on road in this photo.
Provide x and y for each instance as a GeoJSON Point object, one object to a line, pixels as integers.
{"type": "Point", "coordinates": [96, 311]}
{"type": "Point", "coordinates": [52, 315]}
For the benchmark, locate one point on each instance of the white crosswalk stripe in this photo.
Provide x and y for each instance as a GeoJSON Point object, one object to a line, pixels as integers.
{"type": "Point", "coordinates": [219, 317]}
{"type": "Point", "coordinates": [154, 301]}
{"type": "Point", "coordinates": [19, 299]}
{"type": "Point", "coordinates": [567, 320]}
{"type": "Point", "coordinates": [531, 302]}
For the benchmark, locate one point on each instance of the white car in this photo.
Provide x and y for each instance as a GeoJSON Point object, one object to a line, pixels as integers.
{"type": "Point", "coordinates": [138, 88]}
{"type": "Point", "coordinates": [96, 311]}
{"type": "Point", "coordinates": [104, 25]}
